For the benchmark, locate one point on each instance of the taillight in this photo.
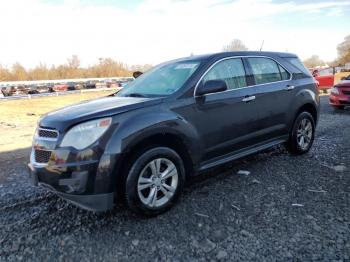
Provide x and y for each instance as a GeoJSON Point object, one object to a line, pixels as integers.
{"type": "Point", "coordinates": [335, 91]}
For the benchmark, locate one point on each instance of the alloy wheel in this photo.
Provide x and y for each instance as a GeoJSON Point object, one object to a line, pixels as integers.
{"type": "Point", "coordinates": [157, 182]}
{"type": "Point", "coordinates": [304, 133]}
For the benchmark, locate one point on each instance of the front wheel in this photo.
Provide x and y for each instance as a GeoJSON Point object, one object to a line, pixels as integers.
{"type": "Point", "coordinates": [302, 135]}
{"type": "Point", "coordinates": [154, 181]}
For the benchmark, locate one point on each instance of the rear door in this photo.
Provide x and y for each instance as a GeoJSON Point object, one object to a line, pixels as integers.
{"type": "Point", "coordinates": [274, 93]}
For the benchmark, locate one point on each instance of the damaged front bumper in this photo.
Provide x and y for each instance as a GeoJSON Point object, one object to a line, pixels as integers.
{"type": "Point", "coordinates": [84, 178]}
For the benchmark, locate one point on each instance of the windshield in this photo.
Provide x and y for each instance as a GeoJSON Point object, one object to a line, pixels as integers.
{"type": "Point", "coordinates": [162, 80]}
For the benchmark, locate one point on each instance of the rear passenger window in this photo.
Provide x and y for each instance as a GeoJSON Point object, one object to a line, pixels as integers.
{"type": "Point", "coordinates": [231, 71]}
{"type": "Point", "coordinates": [266, 70]}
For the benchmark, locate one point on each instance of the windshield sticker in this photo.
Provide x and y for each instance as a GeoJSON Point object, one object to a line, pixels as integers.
{"type": "Point", "coordinates": [185, 66]}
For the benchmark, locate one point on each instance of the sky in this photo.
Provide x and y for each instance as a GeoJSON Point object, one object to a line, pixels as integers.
{"type": "Point", "coordinates": [154, 31]}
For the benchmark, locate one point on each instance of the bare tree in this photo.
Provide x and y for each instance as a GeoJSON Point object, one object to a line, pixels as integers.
{"type": "Point", "coordinates": [235, 45]}
{"type": "Point", "coordinates": [313, 61]}
{"type": "Point", "coordinates": [5, 74]}
{"type": "Point", "coordinates": [344, 51]}
{"type": "Point", "coordinates": [106, 67]}
{"type": "Point", "coordinates": [19, 72]}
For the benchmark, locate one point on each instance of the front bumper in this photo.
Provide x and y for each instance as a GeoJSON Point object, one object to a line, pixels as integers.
{"type": "Point", "coordinates": [96, 203]}
{"type": "Point", "coordinates": [339, 100]}
{"type": "Point", "coordinates": [84, 178]}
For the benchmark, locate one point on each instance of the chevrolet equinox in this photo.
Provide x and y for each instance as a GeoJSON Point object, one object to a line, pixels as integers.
{"type": "Point", "coordinates": [175, 121]}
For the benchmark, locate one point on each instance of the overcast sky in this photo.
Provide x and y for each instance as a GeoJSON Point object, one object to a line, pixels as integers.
{"type": "Point", "coordinates": [153, 31]}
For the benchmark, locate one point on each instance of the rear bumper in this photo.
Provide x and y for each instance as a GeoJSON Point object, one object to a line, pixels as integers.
{"type": "Point", "coordinates": [92, 202]}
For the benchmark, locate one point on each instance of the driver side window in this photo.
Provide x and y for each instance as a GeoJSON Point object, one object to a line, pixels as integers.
{"type": "Point", "coordinates": [231, 71]}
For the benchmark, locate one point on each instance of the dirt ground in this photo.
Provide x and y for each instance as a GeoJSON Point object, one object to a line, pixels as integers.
{"type": "Point", "coordinates": [18, 118]}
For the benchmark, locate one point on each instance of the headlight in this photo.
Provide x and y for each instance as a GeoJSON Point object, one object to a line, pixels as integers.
{"type": "Point", "coordinates": [85, 134]}
{"type": "Point", "coordinates": [335, 91]}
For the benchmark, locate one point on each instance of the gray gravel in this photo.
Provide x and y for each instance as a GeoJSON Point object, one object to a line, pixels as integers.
{"type": "Point", "coordinates": [286, 208]}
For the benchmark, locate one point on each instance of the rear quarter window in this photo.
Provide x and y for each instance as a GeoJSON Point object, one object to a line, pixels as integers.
{"type": "Point", "coordinates": [298, 64]}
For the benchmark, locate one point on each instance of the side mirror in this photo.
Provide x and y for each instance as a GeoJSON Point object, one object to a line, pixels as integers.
{"type": "Point", "coordinates": [211, 86]}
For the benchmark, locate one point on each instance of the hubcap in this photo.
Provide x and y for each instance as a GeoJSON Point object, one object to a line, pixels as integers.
{"type": "Point", "coordinates": [304, 133]}
{"type": "Point", "coordinates": [157, 182]}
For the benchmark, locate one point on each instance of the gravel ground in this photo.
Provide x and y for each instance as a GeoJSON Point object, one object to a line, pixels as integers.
{"type": "Point", "coordinates": [287, 208]}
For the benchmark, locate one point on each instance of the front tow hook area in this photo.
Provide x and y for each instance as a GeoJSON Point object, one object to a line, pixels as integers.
{"type": "Point", "coordinates": [75, 184]}
{"type": "Point", "coordinates": [33, 177]}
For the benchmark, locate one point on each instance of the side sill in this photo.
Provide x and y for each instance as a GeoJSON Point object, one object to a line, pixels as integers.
{"type": "Point", "coordinates": [245, 152]}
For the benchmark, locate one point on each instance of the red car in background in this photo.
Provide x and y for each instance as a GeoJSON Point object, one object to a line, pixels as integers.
{"type": "Point", "coordinates": [60, 88]}
{"type": "Point", "coordinates": [325, 78]}
{"type": "Point", "coordinates": [340, 94]}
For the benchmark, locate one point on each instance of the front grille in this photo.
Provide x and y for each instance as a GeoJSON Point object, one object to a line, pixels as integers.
{"type": "Point", "coordinates": [42, 156]}
{"type": "Point", "coordinates": [47, 133]}
{"type": "Point", "coordinates": [346, 92]}
{"type": "Point", "coordinates": [344, 102]}
{"type": "Point", "coordinates": [44, 141]}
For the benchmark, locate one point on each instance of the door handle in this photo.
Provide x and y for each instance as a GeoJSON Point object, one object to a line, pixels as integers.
{"type": "Point", "coordinates": [289, 88]}
{"type": "Point", "coordinates": [248, 99]}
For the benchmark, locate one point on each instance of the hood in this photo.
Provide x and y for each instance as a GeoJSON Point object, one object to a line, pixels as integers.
{"type": "Point", "coordinates": [344, 83]}
{"type": "Point", "coordinates": [66, 117]}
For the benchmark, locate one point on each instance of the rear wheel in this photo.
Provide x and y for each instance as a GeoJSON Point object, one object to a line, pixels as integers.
{"type": "Point", "coordinates": [302, 135]}
{"type": "Point", "coordinates": [154, 181]}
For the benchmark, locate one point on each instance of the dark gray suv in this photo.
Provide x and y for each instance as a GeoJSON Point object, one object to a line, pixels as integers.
{"type": "Point", "coordinates": [177, 120]}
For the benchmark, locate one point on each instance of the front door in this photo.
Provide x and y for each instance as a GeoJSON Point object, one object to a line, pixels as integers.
{"type": "Point", "coordinates": [226, 121]}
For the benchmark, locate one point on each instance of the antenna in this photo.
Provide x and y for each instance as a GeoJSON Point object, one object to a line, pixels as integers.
{"type": "Point", "coordinates": [262, 44]}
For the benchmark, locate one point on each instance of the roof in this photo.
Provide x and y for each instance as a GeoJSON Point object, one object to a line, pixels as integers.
{"type": "Point", "coordinates": [236, 53]}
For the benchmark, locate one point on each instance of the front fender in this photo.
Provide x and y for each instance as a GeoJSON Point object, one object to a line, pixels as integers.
{"type": "Point", "coordinates": [140, 126]}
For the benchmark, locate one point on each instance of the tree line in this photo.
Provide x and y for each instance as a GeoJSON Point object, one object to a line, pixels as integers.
{"type": "Point", "coordinates": [106, 67]}
{"type": "Point", "coordinates": [343, 56]}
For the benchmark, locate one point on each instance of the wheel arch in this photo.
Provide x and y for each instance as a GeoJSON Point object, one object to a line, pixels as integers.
{"type": "Point", "coordinates": [134, 150]}
{"type": "Point", "coordinates": [310, 108]}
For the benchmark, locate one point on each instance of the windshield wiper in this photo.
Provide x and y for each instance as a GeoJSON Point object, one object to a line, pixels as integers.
{"type": "Point", "coordinates": [135, 95]}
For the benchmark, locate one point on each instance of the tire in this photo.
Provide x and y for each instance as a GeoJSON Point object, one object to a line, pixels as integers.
{"type": "Point", "coordinates": [147, 193]}
{"type": "Point", "coordinates": [302, 135]}
{"type": "Point", "coordinates": [338, 107]}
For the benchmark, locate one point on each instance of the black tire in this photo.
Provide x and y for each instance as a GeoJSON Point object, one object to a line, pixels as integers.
{"type": "Point", "coordinates": [293, 145]}
{"type": "Point", "coordinates": [136, 169]}
{"type": "Point", "coordinates": [339, 107]}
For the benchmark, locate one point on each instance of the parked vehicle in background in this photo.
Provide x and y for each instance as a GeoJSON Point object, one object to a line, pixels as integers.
{"type": "Point", "coordinates": [71, 86]}
{"type": "Point", "coordinates": [9, 90]}
{"type": "Point", "coordinates": [177, 120]}
{"type": "Point", "coordinates": [60, 88]}
{"type": "Point", "coordinates": [32, 90]}
{"type": "Point", "coordinates": [101, 84]}
{"type": "Point", "coordinates": [21, 90]}
{"type": "Point", "coordinates": [340, 94]}
{"type": "Point", "coordinates": [325, 78]}
{"type": "Point", "coordinates": [89, 84]}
